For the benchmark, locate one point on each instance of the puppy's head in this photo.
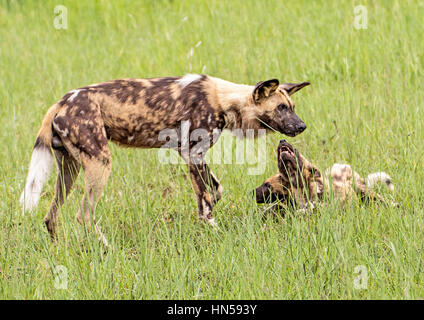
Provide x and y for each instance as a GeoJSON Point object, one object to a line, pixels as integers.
{"type": "Point", "coordinates": [298, 171]}
{"type": "Point", "coordinates": [290, 163]}
{"type": "Point", "coordinates": [279, 187]}
{"type": "Point", "coordinates": [297, 176]}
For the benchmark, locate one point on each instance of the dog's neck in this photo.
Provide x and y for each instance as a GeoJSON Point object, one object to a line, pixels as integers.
{"type": "Point", "coordinates": [317, 184]}
{"type": "Point", "coordinates": [236, 103]}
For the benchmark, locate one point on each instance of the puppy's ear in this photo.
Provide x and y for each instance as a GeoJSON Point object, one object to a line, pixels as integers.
{"type": "Point", "coordinates": [263, 193]}
{"type": "Point", "coordinates": [264, 89]}
{"type": "Point", "coordinates": [293, 87]}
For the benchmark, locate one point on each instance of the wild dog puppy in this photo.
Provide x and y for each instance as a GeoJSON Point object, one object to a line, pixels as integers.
{"type": "Point", "coordinates": [136, 113]}
{"type": "Point", "coordinates": [299, 183]}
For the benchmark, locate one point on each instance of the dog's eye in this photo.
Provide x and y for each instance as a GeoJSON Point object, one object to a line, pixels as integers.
{"type": "Point", "coordinates": [282, 107]}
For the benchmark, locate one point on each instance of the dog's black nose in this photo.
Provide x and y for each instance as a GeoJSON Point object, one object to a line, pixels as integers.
{"type": "Point", "coordinates": [301, 127]}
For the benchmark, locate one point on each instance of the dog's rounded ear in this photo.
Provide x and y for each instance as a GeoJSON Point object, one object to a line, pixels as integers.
{"type": "Point", "coordinates": [264, 89]}
{"type": "Point", "coordinates": [263, 193]}
{"type": "Point", "coordinates": [293, 87]}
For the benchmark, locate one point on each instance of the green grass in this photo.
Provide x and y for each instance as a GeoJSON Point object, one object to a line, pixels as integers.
{"type": "Point", "coordinates": [364, 108]}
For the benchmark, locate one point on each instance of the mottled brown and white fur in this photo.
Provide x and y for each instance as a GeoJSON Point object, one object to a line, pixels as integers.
{"type": "Point", "coordinates": [134, 113]}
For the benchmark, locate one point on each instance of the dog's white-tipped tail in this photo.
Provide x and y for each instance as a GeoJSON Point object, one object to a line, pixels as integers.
{"type": "Point", "coordinates": [382, 177]}
{"type": "Point", "coordinates": [39, 169]}
{"type": "Point", "coordinates": [41, 162]}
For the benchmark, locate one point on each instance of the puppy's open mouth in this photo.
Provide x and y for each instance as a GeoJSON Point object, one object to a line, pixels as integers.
{"type": "Point", "coordinates": [288, 159]}
{"type": "Point", "coordinates": [285, 150]}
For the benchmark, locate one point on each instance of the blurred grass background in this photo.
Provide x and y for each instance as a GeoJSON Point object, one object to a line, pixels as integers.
{"type": "Point", "coordinates": [364, 107]}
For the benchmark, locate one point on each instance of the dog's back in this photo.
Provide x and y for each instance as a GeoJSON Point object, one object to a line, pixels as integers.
{"type": "Point", "coordinates": [135, 111]}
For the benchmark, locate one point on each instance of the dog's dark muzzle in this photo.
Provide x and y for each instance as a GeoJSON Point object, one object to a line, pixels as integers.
{"type": "Point", "coordinates": [300, 128]}
{"type": "Point", "coordinates": [293, 130]}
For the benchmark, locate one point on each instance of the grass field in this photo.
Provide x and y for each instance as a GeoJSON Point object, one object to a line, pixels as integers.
{"type": "Point", "coordinates": [364, 107]}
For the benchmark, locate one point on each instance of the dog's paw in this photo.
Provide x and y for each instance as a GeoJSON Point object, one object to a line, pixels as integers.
{"type": "Point", "coordinates": [212, 223]}
{"type": "Point", "coordinates": [309, 207]}
{"type": "Point", "coordinates": [394, 204]}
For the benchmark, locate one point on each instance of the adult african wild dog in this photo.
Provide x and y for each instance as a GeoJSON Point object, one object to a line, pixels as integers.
{"type": "Point", "coordinates": [133, 112]}
{"type": "Point", "coordinates": [300, 183]}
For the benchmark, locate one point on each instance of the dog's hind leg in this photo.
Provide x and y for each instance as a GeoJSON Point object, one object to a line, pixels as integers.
{"type": "Point", "coordinates": [82, 131]}
{"type": "Point", "coordinates": [367, 193]}
{"type": "Point", "coordinates": [68, 169]}
{"type": "Point", "coordinates": [96, 173]}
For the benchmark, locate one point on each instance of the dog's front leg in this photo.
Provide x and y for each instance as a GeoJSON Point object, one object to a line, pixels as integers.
{"type": "Point", "coordinates": [306, 207]}
{"type": "Point", "coordinates": [214, 185]}
{"type": "Point", "coordinates": [205, 184]}
{"type": "Point", "coordinates": [304, 203]}
{"type": "Point", "coordinates": [199, 179]}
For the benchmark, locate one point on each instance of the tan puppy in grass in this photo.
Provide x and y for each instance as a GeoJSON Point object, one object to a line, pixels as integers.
{"type": "Point", "coordinates": [299, 183]}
